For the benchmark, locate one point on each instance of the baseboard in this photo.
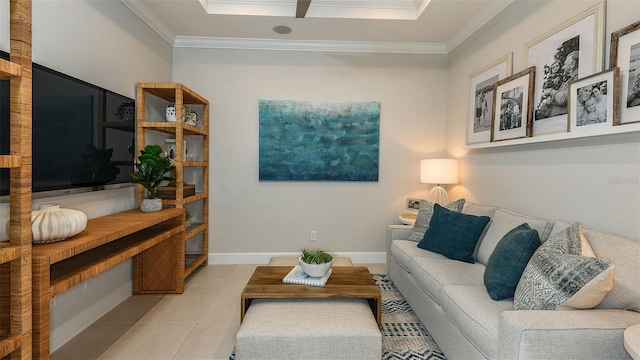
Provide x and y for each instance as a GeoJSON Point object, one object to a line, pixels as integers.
{"type": "Point", "coordinates": [263, 258]}
{"type": "Point", "coordinates": [75, 325]}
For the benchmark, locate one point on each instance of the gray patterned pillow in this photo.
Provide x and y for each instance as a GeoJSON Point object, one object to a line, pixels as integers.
{"type": "Point", "coordinates": [425, 213]}
{"type": "Point", "coordinates": [558, 276]}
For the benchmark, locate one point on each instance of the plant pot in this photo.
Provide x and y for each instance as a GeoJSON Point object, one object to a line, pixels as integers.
{"type": "Point", "coordinates": [315, 270]}
{"type": "Point", "coordinates": [151, 205]}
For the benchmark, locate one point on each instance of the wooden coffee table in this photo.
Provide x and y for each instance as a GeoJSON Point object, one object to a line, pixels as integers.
{"type": "Point", "coordinates": [345, 282]}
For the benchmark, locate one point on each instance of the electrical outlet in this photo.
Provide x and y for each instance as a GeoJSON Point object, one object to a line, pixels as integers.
{"type": "Point", "coordinates": [313, 235]}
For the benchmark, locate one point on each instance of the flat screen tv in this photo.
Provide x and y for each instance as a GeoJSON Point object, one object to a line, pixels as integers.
{"type": "Point", "coordinates": [83, 135]}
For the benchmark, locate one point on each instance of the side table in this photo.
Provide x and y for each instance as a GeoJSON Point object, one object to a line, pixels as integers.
{"type": "Point", "coordinates": [408, 219]}
{"type": "Point", "coordinates": [632, 341]}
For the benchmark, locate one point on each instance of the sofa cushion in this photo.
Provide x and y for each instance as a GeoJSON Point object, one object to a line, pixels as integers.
{"type": "Point", "coordinates": [476, 316]}
{"type": "Point", "coordinates": [405, 250]}
{"type": "Point", "coordinates": [432, 274]}
{"type": "Point", "coordinates": [424, 217]}
{"type": "Point", "coordinates": [558, 274]}
{"type": "Point", "coordinates": [623, 251]}
{"type": "Point", "coordinates": [479, 210]}
{"type": "Point", "coordinates": [508, 260]}
{"type": "Point", "coordinates": [453, 234]}
{"type": "Point", "coordinates": [503, 221]}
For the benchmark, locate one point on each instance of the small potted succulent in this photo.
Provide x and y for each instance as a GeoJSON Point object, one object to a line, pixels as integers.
{"type": "Point", "coordinates": [316, 262]}
{"type": "Point", "coordinates": [150, 173]}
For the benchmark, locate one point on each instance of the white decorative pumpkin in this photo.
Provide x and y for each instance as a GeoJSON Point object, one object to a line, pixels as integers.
{"type": "Point", "coordinates": [51, 223]}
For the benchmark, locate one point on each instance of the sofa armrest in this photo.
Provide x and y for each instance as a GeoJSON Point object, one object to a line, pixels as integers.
{"type": "Point", "coordinates": [396, 232]}
{"type": "Point", "coordinates": [564, 334]}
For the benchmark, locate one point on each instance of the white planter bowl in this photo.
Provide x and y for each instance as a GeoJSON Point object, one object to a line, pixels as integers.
{"type": "Point", "coordinates": [151, 205]}
{"type": "Point", "coordinates": [315, 270]}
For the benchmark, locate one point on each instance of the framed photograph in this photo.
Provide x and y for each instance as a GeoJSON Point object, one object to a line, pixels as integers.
{"type": "Point", "coordinates": [169, 149]}
{"type": "Point", "coordinates": [481, 98]}
{"type": "Point", "coordinates": [512, 106]}
{"type": "Point", "coordinates": [413, 205]}
{"type": "Point", "coordinates": [625, 54]}
{"type": "Point", "coordinates": [568, 52]}
{"type": "Point", "coordinates": [594, 100]}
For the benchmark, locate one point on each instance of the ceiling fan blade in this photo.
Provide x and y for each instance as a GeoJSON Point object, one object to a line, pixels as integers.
{"type": "Point", "coordinates": [301, 8]}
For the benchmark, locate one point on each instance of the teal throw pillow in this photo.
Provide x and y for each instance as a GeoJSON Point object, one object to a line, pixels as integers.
{"type": "Point", "coordinates": [453, 234]}
{"type": "Point", "coordinates": [508, 260]}
{"type": "Point", "coordinates": [424, 217]}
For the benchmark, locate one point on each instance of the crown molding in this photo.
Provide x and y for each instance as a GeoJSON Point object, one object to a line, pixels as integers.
{"type": "Point", "coordinates": [310, 45]}
{"type": "Point", "coordinates": [478, 21]}
{"type": "Point", "coordinates": [147, 16]}
{"type": "Point", "coordinates": [143, 12]}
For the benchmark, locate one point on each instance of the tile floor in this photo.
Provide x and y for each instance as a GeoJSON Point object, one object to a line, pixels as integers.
{"type": "Point", "coordinates": [199, 324]}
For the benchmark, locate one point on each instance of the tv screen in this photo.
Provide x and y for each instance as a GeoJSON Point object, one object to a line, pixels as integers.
{"type": "Point", "coordinates": [83, 135]}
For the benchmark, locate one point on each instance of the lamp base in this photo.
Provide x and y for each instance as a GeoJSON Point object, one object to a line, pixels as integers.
{"type": "Point", "coordinates": [439, 195]}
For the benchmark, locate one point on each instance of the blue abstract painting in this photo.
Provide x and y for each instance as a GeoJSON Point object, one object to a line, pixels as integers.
{"type": "Point", "coordinates": [319, 141]}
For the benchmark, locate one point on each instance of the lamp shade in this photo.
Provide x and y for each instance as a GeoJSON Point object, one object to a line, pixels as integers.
{"type": "Point", "coordinates": [439, 171]}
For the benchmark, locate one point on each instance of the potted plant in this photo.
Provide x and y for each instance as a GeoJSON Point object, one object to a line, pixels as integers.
{"type": "Point", "coordinates": [315, 262]}
{"type": "Point", "coordinates": [150, 173]}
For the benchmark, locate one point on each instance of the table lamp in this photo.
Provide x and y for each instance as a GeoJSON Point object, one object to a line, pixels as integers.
{"type": "Point", "coordinates": [439, 171]}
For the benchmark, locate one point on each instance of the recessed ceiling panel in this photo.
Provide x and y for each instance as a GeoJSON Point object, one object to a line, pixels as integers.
{"type": "Point", "coordinates": [337, 9]}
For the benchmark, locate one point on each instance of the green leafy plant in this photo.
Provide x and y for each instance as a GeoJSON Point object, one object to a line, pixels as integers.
{"type": "Point", "coordinates": [316, 256]}
{"type": "Point", "coordinates": [151, 170]}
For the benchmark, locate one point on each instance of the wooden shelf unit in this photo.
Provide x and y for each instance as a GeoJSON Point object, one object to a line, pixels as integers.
{"type": "Point", "coordinates": [153, 240]}
{"type": "Point", "coordinates": [151, 100]}
{"type": "Point", "coordinates": [15, 255]}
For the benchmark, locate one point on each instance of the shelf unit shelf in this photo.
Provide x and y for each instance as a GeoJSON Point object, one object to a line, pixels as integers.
{"type": "Point", "coordinates": [9, 253]}
{"type": "Point", "coordinates": [152, 98]}
{"type": "Point", "coordinates": [561, 136]}
{"type": "Point", "coordinates": [9, 70]}
{"type": "Point", "coordinates": [192, 262]}
{"type": "Point", "coordinates": [15, 255]}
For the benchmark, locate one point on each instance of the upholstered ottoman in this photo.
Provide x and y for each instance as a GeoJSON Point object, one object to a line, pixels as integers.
{"type": "Point", "coordinates": [309, 329]}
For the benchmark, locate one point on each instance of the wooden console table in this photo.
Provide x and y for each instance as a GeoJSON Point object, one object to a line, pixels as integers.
{"type": "Point", "coordinates": [153, 240]}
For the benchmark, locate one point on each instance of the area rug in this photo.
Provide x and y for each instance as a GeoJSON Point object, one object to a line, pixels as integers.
{"type": "Point", "coordinates": [403, 335]}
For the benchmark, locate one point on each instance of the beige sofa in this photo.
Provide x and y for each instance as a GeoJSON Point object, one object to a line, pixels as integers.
{"type": "Point", "coordinates": [452, 302]}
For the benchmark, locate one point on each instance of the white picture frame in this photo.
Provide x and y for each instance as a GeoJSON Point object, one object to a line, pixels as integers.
{"type": "Point", "coordinates": [412, 205]}
{"type": "Point", "coordinates": [594, 102]}
{"type": "Point", "coordinates": [481, 98]}
{"type": "Point", "coordinates": [555, 55]}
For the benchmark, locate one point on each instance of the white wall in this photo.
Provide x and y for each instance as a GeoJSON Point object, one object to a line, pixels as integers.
{"type": "Point", "coordinates": [103, 43]}
{"type": "Point", "coordinates": [572, 180]}
{"type": "Point", "coordinates": [248, 216]}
